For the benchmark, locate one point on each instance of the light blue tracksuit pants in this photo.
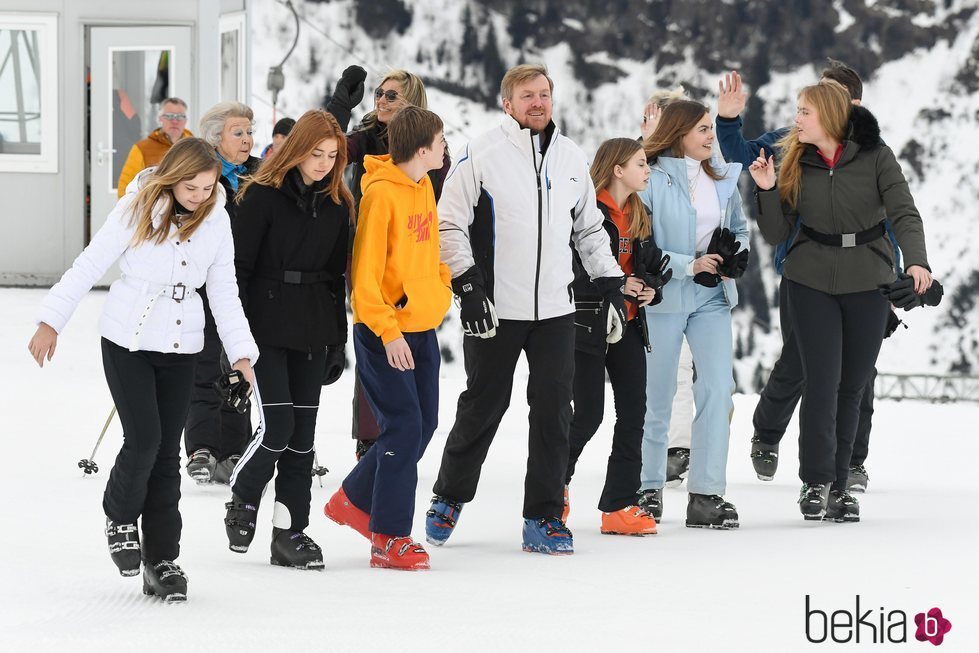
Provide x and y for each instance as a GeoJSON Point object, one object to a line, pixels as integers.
{"type": "Point", "coordinates": [708, 332]}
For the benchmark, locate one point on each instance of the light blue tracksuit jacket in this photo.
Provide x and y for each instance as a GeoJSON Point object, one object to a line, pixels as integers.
{"type": "Point", "coordinates": [703, 315]}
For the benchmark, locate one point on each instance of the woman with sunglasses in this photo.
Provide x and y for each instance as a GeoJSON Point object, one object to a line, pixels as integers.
{"type": "Point", "coordinates": [397, 90]}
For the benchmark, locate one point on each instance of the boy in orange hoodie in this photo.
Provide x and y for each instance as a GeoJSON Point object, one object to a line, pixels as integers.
{"type": "Point", "coordinates": [401, 292]}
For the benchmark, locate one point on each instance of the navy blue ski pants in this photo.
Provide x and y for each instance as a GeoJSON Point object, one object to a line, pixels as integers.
{"type": "Point", "coordinates": [384, 482]}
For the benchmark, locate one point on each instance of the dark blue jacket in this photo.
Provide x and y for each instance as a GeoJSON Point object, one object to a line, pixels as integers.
{"type": "Point", "coordinates": [736, 149]}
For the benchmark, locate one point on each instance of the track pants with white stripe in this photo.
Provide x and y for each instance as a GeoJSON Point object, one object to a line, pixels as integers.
{"type": "Point", "coordinates": [289, 382]}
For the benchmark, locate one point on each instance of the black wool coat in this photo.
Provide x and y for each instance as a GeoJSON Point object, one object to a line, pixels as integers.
{"type": "Point", "coordinates": [278, 233]}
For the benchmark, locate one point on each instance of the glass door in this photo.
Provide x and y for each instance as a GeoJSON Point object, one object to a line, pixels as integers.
{"type": "Point", "coordinates": [132, 70]}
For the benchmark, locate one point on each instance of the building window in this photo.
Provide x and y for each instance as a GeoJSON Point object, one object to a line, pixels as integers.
{"type": "Point", "coordinates": [28, 92]}
{"type": "Point", "coordinates": [232, 73]}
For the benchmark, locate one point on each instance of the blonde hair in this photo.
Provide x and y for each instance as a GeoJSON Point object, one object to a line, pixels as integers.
{"type": "Point", "coordinates": [663, 98]}
{"type": "Point", "coordinates": [678, 119]}
{"type": "Point", "coordinates": [185, 159]}
{"type": "Point", "coordinates": [617, 152]}
{"type": "Point", "coordinates": [412, 94]}
{"type": "Point", "coordinates": [312, 127]}
{"type": "Point", "coordinates": [832, 103]}
{"type": "Point", "coordinates": [520, 74]}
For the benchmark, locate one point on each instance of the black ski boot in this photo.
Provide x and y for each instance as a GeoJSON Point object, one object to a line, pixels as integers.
{"type": "Point", "coordinates": [295, 549]}
{"type": "Point", "coordinates": [651, 501]}
{"type": "Point", "coordinates": [123, 546]}
{"type": "Point", "coordinates": [812, 500]}
{"type": "Point", "coordinates": [764, 458]}
{"type": "Point", "coordinates": [222, 471]}
{"type": "Point", "coordinates": [857, 479]}
{"type": "Point", "coordinates": [677, 466]}
{"type": "Point", "coordinates": [239, 523]}
{"type": "Point", "coordinates": [842, 507]}
{"type": "Point", "coordinates": [166, 580]}
{"type": "Point", "coordinates": [710, 511]}
{"type": "Point", "coordinates": [201, 466]}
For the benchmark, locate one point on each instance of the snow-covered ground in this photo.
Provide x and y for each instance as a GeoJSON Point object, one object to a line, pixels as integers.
{"type": "Point", "coordinates": [681, 590]}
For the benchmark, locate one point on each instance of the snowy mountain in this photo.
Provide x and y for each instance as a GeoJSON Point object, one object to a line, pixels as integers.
{"type": "Point", "coordinates": [919, 59]}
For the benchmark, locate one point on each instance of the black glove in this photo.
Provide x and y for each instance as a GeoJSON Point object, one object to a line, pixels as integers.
{"type": "Point", "coordinates": [348, 94]}
{"type": "Point", "coordinates": [349, 91]}
{"type": "Point", "coordinates": [901, 294]}
{"type": "Point", "coordinates": [735, 258]}
{"type": "Point", "coordinates": [234, 390]}
{"type": "Point", "coordinates": [893, 322]}
{"type": "Point", "coordinates": [653, 268]}
{"type": "Point", "coordinates": [706, 278]}
{"type": "Point", "coordinates": [336, 362]}
{"type": "Point", "coordinates": [475, 310]}
{"type": "Point", "coordinates": [611, 289]}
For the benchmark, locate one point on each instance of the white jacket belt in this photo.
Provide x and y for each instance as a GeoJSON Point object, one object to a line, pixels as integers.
{"type": "Point", "coordinates": [140, 312]}
{"type": "Point", "coordinates": [532, 262]}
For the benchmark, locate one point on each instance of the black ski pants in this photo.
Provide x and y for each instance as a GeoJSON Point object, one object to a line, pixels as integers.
{"type": "Point", "coordinates": [784, 388]}
{"type": "Point", "coordinates": [839, 337]}
{"type": "Point", "coordinates": [626, 365]}
{"type": "Point", "coordinates": [289, 384]}
{"type": "Point", "coordinates": [490, 363]}
{"type": "Point", "coordinates": [211, 424]}
{"type": "Point", "coordinates": [151, 391]}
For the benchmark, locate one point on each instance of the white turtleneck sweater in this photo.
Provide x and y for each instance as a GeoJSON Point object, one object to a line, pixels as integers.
{"type": "Point", "coordinates": [704, 199]}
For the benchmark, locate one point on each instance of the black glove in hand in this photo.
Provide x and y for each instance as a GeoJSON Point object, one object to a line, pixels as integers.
{"type": "Point", "coordinates": [336, 362]}
{"type": "Point", "coordinates": [655, 276]}
{"type": "Point", "coordinates": [476, 311]}
{"type": "Point", "coordinates": [707, 279]}
{"type": "Point", "coordinates": [734, 266]}
{"type": "Point", "coordinates": [234, 390]}
{"type": "Point", "coordinates": [901, 294]}
{"type": "Point", "coordinates": [735, 258]}
{"type": "Point", "coordinates": [611, 289]}
{"type": "Point", "coordinates": [349, 91]}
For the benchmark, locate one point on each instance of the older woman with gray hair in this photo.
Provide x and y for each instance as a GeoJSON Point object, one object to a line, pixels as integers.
{"type": "Point", "coordinates": [215, 435]}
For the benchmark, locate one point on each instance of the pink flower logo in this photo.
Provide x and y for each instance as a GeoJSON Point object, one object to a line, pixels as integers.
{"type": "Point", "coordinates": [932, 626]}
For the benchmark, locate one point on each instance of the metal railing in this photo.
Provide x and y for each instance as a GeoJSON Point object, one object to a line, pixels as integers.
{"type": "Point", "coordinates": [936, 388]}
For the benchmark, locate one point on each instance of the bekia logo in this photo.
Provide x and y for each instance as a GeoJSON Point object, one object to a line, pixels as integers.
{"type": "Point", "coordinates": [932, 626]}
{"type": "Point", "coordinates": [873, 626]}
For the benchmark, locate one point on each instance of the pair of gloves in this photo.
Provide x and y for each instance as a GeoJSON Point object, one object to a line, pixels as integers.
{"type": "Point", "coordinates": [478, 315]}
{"type": "Point", "coordinates": [901, 294]}
{"type": "Point", "coordinates": [725, 243]}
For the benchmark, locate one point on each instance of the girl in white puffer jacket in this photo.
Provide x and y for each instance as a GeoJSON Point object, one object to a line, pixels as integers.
{"type": "Point", "coordinates": [171, 234]}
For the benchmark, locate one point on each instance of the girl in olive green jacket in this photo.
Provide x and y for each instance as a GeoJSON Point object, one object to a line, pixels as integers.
{"type": "Point", "coordinates": [839, 177]}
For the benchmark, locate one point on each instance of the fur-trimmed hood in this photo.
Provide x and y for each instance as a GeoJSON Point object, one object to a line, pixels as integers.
{"type": "Point", "coordinates": [863, 128]}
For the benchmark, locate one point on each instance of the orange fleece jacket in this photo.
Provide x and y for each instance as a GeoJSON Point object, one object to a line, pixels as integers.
{"type": "Point", "coordinates": [147, 152]}
{"type": "Point", "coordinates": [399, 283]}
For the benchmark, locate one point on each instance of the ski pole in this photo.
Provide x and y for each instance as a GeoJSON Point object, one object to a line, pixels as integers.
{"type": "Point", "coordinates": [88, 465]}
{"type": "Point", "coordinates": [318, 471]}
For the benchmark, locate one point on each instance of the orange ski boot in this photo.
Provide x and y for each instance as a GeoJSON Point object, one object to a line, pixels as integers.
{"type": "Point", "coordinates": [567, 506]}
{"type": "Point", "coordinates": [631, 520]}
{"type": "Point", "coordinates": [390, 552]}
{"type": "Point", "coordinates": [342, 511]}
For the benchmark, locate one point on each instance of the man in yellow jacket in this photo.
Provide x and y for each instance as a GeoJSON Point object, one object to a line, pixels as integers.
{"type": "Point", "coordinates": [149, 151]}
{"type": "Point", "coordinates": [401, 292]}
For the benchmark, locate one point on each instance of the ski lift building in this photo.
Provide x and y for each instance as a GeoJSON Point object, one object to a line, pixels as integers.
{"type": "Point", "coordinates": [80, 82]}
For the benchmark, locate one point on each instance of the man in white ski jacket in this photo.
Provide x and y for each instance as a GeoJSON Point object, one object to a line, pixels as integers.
{"type": "Point", "coordinates": [518, 198]}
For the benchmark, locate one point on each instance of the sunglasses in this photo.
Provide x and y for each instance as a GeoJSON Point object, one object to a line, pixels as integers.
{"type": "Point", "coordinates": [174, 116]}
{"type": "Point", "coordinates": [390, 96]}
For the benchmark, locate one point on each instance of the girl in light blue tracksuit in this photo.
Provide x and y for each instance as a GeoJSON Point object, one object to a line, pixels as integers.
{"type": "Point", "coordinates": [690, 195]}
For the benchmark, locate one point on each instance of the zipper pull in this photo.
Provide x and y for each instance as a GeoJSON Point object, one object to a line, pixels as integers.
{"type": "Point", "coordinates": [830, 172]}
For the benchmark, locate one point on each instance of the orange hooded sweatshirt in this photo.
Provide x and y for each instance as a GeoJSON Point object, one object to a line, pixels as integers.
{"type": "Point", "coordinates": [399, 283]}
